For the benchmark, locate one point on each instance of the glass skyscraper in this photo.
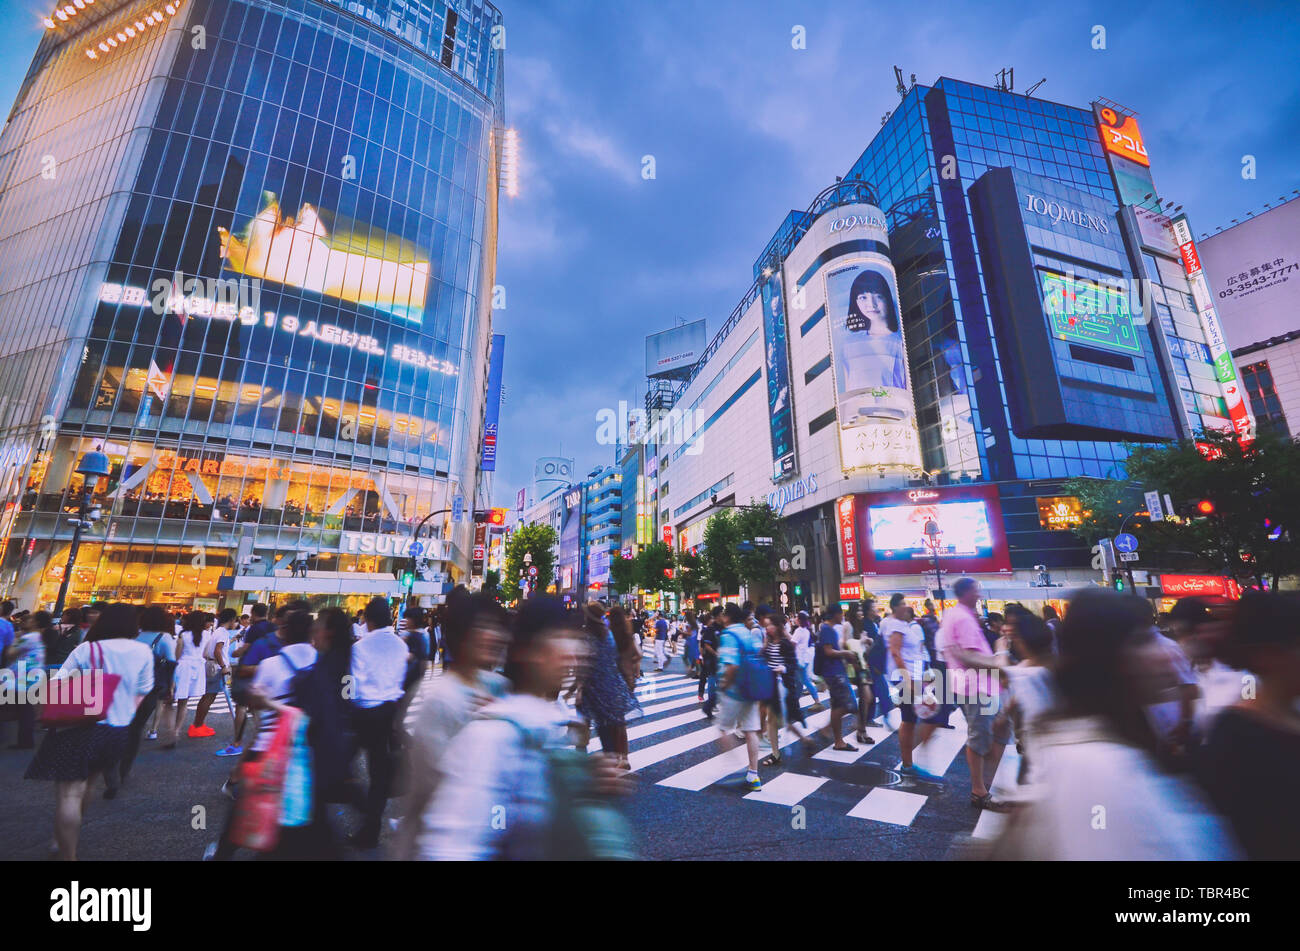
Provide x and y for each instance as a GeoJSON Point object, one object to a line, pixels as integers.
{"type": "Point", "coordinates": [248, 249]}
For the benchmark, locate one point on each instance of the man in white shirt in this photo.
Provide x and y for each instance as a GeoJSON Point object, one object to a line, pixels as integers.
{"type": "Point", "coordinates": [379, 662]}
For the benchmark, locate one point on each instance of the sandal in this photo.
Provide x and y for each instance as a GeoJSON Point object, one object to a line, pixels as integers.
{"type": "Point", "coordinates": [987, 801]}
{"type": "Point", "coordinates": [846, 748]}
{"type": "Point", "coordinates": [771, 759]}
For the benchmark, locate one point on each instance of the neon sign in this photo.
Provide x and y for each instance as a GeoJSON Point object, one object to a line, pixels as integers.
{"type": "Point", "coordinates": [198, 306]}
{"type": "Point", "coordinates": [1122, 137]}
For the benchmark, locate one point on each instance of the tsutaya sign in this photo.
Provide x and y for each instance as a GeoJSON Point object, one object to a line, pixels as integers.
{"type": "Point", "coordinates": [396, 546]}
{"type": "Point", "coordinates": [1050, 208]}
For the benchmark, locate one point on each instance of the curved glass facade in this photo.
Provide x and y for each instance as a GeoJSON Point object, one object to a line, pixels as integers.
{"type": "Point", "coordinates": [283, 348]}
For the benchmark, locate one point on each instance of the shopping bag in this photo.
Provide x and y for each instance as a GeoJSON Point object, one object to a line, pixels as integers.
{"type": "Point", "coordinates": [295, 800]}
{"type": "Point", "coordinates": [256, 823]}
{"type": "Point", "coordinates": [68, 703]}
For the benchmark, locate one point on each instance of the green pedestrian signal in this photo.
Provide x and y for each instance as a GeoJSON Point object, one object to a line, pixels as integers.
{"type": "Point", "coordinates": [1121, 583]}
{"type": "Point", "coordinates": [408, 579]}
{"type": "Point", "coordinates": [798, 589]}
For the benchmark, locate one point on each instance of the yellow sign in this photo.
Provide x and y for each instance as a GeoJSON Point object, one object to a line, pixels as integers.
{"type": "Point", "coordinates": [1059, 512]}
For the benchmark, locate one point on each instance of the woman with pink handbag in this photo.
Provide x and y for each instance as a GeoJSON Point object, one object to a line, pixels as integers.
{"type": "Point", "coordinates": [89, 705]}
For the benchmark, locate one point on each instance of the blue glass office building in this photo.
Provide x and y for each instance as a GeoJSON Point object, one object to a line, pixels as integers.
{"type": "Point", "coordinates": [248, 249]}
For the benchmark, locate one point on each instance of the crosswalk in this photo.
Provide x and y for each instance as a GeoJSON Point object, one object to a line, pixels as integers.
{"type": "Point", "coordinates": [673, 745]}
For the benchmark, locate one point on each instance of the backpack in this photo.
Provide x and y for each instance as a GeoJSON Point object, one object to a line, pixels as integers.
{"type": "Point", "coordinates": [585, 827]}
{"type": "Point", "coordinates": [753, 677]}
{"type": "Point", "coordinates": [329, 728]}
{"type": "Point", "coordinates": [164, 670]}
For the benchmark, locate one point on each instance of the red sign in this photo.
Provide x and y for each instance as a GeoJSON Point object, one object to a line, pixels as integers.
{"type": "Point", "coordinates": [1183, 586]}
{"type": "Point", "coordinates": [1209, 451]}
{"type": "Point", "coordinates": [1120, 135]}
{"type": "Point", "coordinates": [850, 590]}
{"type": "Point", "coordinates": [668, 535]}
{"type": "Point", "coordinates": [846, 516]}
{"type": "Point", "coordinates": [1191, 260]}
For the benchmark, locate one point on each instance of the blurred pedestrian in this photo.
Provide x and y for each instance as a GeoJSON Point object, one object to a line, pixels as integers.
{"type": "Point", "coordinates": [1104, 795]}
{"type": "Point", "coordinates": [1251, 761]}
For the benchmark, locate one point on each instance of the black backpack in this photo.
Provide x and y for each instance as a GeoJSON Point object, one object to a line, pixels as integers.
{"type": "Point", "coordinates": [329, 728]}
{"type": "Point", "coordinates": [164, 670]}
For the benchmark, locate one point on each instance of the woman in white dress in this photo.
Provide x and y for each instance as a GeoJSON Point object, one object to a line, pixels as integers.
{"type": "Point", "coordinates": [191, 670]}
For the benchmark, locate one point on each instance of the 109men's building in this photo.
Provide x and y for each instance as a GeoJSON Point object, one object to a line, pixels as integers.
{"type": "Point", "coordinates": [246, 249]}
{"type": "Point", "coordinates": [993, 299]}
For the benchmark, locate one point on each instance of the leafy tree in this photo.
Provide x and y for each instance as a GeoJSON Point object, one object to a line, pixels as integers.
{"type": "Point", "coordinates": [622, 573]}
{"type": "Point", "coordinates": [539, 541]}
{"type": "Point", "coordinates": [721, 535]}
{"type": "Point", "coordinates": [757, 567]}
{"type": "Point", "coordinates": [652, 561]}
{"type": "Point", "coordinates": [690, 573]}
{"type": "Point", "coordinates": [1251, 531]}
{"type": "Point", "coordinates": [492, 584]}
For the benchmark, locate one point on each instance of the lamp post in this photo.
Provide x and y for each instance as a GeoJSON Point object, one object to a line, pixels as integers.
{"type": "Point", "coordinates": [94, 466]}
{"type": "Point", "coordinates": [932, 531]}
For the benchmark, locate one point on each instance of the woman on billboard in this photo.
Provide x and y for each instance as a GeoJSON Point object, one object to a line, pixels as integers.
{"type": "Point", "coordinates": [869, 348]}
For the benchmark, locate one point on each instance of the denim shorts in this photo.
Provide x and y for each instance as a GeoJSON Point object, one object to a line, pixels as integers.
{"type": "Point", "coordinates": [984, 729]}
{"type": "Point", "coordinates": [837, 685]}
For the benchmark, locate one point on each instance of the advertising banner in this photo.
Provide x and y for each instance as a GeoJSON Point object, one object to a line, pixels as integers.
{"type": "Point", "coordinates": [673, 353]}
{"type": "Point", "coordinates": [492, 409]}
{"type": "Point", "coordinates": [847, 521]}
{"type": "Point", "coordinates": [1255, 267]}
{"type": "Point", "coordinates": [1242, 422]}
{"type": "Point", "coordinates": [877, 417]}
{"type": "Point", "coordinates": [779, 405]}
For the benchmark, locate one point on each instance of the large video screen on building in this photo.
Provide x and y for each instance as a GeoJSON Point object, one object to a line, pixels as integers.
{"type": "Point", "coordinates": [318, 250]}
{"type": "Point", "coordinates": [1085, 312]}
{"type": "Point", "coordinates": [777, 355]}
{"type": "Point", "coordinates": [969, 519]}
{"type": "Point", "coordinates": [897, 531]}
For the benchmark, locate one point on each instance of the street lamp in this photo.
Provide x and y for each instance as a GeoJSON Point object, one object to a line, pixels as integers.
{"type": "Point", "coordinates": [94, 466]}
{"type": "Point", "coordinates": [932, 531]}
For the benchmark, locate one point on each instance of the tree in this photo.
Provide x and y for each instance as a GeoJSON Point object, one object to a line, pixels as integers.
{"type": "Point", "coordinates": [652, 561]}
{"type": "Point", "coordinates": [758, 567]}
{"type": "Point", "coordinates": [690, 573]}
{"type": "Point", "coordinates": [492, 584]}
{"type": "Point", "coordinates": [721, 535]}
{"type": "Point", "coordinates": [1249, 527]}
{"type": "Point", "coordinates": [622, 573]}
{"type": "Point", "coordinates": [539, 541]}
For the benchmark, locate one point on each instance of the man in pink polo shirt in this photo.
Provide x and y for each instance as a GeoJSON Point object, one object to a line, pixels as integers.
{"type": "Point", "coordinates": [974, 678]}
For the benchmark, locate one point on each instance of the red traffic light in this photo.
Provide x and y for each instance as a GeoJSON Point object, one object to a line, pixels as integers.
{"type": "Point", "coordinates": [1205, 507]}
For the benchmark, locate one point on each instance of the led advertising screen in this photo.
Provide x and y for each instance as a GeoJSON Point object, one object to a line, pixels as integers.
{"type": "Point", "coordinates": [1088, 313]}
{"type": "Point", "coordinates": [779, 405]}
{"type": "Point", "coordinates": [877, 417]}
{"type": "Point", "coordinates": [332, 255]}
{"type": "Point", "coordinates": [969, 518]}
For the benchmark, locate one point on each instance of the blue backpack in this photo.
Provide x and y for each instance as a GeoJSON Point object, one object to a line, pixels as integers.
{"type": "Point", "coordinates": [754, 678]}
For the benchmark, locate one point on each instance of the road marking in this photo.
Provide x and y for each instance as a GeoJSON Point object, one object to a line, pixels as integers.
{"type": "Point", "coordinates": [787, 789]}
{"type": "Point", "coordinates": [888, 805]}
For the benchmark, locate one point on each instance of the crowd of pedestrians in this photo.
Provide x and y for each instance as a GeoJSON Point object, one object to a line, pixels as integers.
{"type": "Point", "coordinates": [1138, 736]}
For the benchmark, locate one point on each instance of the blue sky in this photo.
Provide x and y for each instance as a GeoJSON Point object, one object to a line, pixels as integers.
{"type": "Point", "coordinates": [743, 128]}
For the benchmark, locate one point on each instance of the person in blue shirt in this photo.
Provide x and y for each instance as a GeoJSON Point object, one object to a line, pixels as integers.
{"type": "Point", "coordinates": [737, 713]}
{"type": "Point", "coordinates": [6, 627]}
{"type": "Point", "coordinates": [830, 667]}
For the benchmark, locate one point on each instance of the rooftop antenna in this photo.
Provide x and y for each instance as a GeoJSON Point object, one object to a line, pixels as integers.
{"type": "Point", "coordinates": [1006, 78]}
{"type": "Point", "coordinates": [1030, 91]}
{"type": "Point", "coordinates": [898, 79]}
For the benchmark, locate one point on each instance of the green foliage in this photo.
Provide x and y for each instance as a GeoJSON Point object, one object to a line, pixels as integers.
{"type": "Point", "coordinates": [622, 573]}
{"type": "Point", "coordinates": [720, 558]}
{"type": "Point", "coordinates": [539, 541]}
{"type": "Point", "coordinates": [728, 568]}
{"type": "Point", "coordinates": [691, 576]}
{"type": "Point", "coordinates": [1253, 490]}
{"type": "Point", "coordinates": [652, 561]}
{"type": "Point", "coordinates": [492, 584]}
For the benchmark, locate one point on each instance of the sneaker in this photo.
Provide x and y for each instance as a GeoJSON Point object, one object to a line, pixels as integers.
{"type": "Point", "coordinates": [207, 731]}
{"type": "Point", "coordinates": [916, 772]}
{"type": "Point", "coordinates": [231, 750]}
{"type": "Point", "coordinates": [210, 852]}
{"type": "Point", "coordinates": [153, 735]}
{"type": "Point", "coordinates": [753, 783]}
{"type": "Point", "coordinates": [194, 732]}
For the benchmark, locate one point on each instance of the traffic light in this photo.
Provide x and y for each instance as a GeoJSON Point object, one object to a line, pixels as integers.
{"type": "Point", "coordinates": [1205, 507]}
{"type": "Point", "coordinates": [408, 579]}
{"type": "Point", "coordinates": [798, 590]}
{"type": "Point", "coordinates": [1120, 583]}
